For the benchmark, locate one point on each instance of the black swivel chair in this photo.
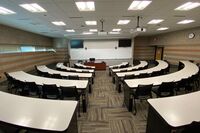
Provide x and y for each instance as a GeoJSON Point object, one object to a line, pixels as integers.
{"type": "Point", "coordinates": [144, 75]}
{"type": "Point", "coordinates": [71, 92]}
{"type": "Point", "coordinates": [194, 127]}
{"type": "Point", "coordinates": [57, 76]}
{"type": "Point", "coordinates": [10, 81]}
{"type": "Point", "coordinates": [33, 89]}
{"type": "Point", "coordinates": [73, 77]}
{"type": "Point", "coordinates": [50, 91]}
{"type": "Point", "coordinates": [165, 89]}
{"type": "Point", "coordinates": [142, 92]}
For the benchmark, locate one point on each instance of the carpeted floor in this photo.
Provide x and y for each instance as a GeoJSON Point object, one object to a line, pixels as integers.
{"type": "Point", "coordinates": [106, 113]}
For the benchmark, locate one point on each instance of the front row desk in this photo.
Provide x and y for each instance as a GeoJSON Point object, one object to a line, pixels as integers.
{"type": "Point", "coordinates": [172, 114]}
{"type": "Point", "coordinates": [36, 115]}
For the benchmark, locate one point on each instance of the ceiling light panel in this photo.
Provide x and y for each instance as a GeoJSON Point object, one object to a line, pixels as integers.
{"type": "Point", "coordinates": [87, 33]}
{"type": "Point", "coordinates": [5, 11]}
{"type": "Point", "coordinates": [70, 30]}
{"type": "Point", "coordinates": [139, 5]}
{"type": "Point", "coordinates": [91, 22]}
{"type": "Point", "coordinates": [34, 7]}
{"type": "Point", "coordinates": [58, 23]}
{"type": "Point", "coordinates": [116, 30]}
{"type": "Point", "coordinates": [188, 6]}
{"type": "Point", "coordinates": [162, 28]}
{"type": "Point", "coordinates": [187, 21]}
{"type": "Point", "coordinates": [86, 6]}
{"type": "Point", "coordinates": [155, 21]}
{"type": "Point", "coordinates": [93, 30]}
{"type": "Point", "coordinates": [123, 22]}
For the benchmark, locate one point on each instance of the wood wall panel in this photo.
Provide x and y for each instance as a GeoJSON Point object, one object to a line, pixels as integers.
{"type": "Point", "coordinates": [177, 45]}
{"type": "Point", "coordinates": [61, 54]}
{"type": "Point", "coordinates": [24, 61]}
{"type": "Point", "coordinates": [142, 49]}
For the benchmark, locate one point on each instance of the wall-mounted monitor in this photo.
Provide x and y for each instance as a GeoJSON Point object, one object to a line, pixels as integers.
{"type": "Point", "coordinates": [76, 43]}
{"type": "Point", "coordinates": [124, 43]}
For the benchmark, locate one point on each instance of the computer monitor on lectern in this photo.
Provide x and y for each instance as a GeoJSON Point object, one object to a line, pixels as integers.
{"type": "Point", "coordinates": [92, 59]}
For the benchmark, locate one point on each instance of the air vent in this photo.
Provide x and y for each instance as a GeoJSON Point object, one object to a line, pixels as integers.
{"type": "Point", "coordinates": [75, 17]}
{"type": "Point", "coordinates": [179, 16]}
{"type": "Point", "coordinates": [128, 16]}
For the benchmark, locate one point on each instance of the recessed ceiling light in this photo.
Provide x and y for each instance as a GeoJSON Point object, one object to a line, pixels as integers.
{"type": "Point", "coordinates": [87, 33]}
{"type": "Point", "coordinates": [187, 21]}
{"type": "Point", "coordinates": [34, 7]}
{"type": "Point", "coordinates": [123, 22]}
{"type": "Point", "coordinates": [5, 11]}
{"type": "Point", "coordinates": [86, 6]}
{"type": "Point", "coordinates": [70, 30]}
{"type": "Point", "coordinates": [91, 22]}
{"type": "Point", "coordinates": [155, 21]}
{"type": "Point", "coordinates": [58, 23]}
{"type": "Point", "coordinates": [139, 5]}
{"type": "Point", "coordinates": [188, 6]}
{"type": "Point", "coordinates": [116, 30]}
{"type": "Point", "coordinates": [162, 28]}
{"type": "Point", "coordinates": [93, 30]}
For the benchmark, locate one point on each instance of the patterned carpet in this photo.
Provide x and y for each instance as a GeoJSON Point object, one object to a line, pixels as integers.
{"type": "Point", "coordinates": [106, 113]}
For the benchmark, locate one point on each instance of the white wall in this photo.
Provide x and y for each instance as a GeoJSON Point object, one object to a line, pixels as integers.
{"type": "Point", "coordinates": [101, 49]}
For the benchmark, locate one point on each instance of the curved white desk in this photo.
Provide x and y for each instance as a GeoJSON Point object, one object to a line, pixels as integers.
{"type": "Point", "coordinates": [80, 84]}
{"type": "Point", "coordinates": [84, 66]}
{"type": "Point", "coordinates": [44, 68]}
{"type": "Point", "coordinates": [23, 76]}
{"type": "Point", "coordinates": [41, 114]}
{"type": "Point", "coordinates": [188, 70]}
{"type": "Point", "coordinates": [161, 65]}
{"type": "Point", "coordinates": [62, 66]}
{"type": "Point", "coordinates": [176, 111]}
{"type": "Point", "coordinates": [141, 65]}
{"type": "Point", "coordinates": [119, 65]}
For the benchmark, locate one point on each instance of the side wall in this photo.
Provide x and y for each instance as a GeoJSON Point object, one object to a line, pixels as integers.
{"type": "Point", "coordinates": [142, 49]}
{"type": "Point", "coordinates": [23, 61]}
{"type": "Point", "coordinates": [177, 45]}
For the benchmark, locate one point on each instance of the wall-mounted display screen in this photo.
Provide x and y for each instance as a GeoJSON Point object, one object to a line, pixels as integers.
{"type": "Point", "coordinates": [76, 43]}
{"type": "Point", "coordinates": [124, 43]}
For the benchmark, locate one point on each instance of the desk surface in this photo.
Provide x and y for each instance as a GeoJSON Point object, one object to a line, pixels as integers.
{"type": "Point", "coordinates": [23, 76]}
{"type": "Point", "coordinates": [142, 64]}
{"type": "Point", "coordinates": [84, 66]}
{"type": "Point", "coordinates": [119, 65]}
{"type": "Point", "coordinates": [178, 110]}
{"type": "Point", "coordinates": [43, 68]}
{"type": "Point", "coordinates": [61, 65]}
{"type": "Point", "coordinates": [161, 65]}
{"type": "Point", "coordinates": [54, 115]}
{"type": "Point", "coordinates": [188, 70]}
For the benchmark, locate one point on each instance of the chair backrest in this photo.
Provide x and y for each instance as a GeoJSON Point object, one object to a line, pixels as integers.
{"type": "Point", "coordinates": [38, 71]}
{"type": "Point", "coordinates": [166, 87]}
{"type": "Point", "coordinates": [57, 76]}
{"type": "Point", "coordinates": [85, 71]}
{"type": "Point", "coordinates": [50, 91]}
{"type": "Point", "coordinates": [194, 127]}
{"type": "Point", "coordinates": [143, 75]}
{"type": "Point", "coordinates": [123, 70]}
{"type": "Point", "coordinates": [73, 77]}
{"type": "Point", "coordinates": [155, 73]}
{"type": "Point", "coordinates": [144, 90]}
{"type": "Point", "coordinates": [32, 87]}
{"type": "Point", "coordinates": [46, 74]}
{"type": "Point", "coordinates": [69, 91]}
{"type": "Point", "coordinates": [132, 76]}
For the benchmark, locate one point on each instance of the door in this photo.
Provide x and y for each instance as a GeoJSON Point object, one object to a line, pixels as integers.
{"type": "Point", "coordinates": [158, 53]}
